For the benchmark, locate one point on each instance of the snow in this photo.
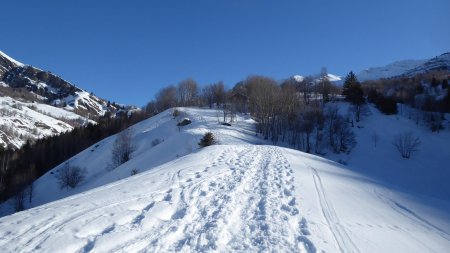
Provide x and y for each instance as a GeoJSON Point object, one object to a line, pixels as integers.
{"type": "Point", "coordinates": [82, 98]}
{"type": "Point", "coordinates": [18, 64]}
{"type": "Point", "coordinates": [394, 69]}
{"type": "Point", "coordinates": [241, 195]}
{"type": "Point", "coordinates": [31, 120]}
{"type": "Point", "coordinates": [333, 78]}
{"type": "Point", "coordinates": [438, 63]}
{"type": "Point", "coordinates": [329, 77]}
{"type": "Point", "coordinates": [298, 78]}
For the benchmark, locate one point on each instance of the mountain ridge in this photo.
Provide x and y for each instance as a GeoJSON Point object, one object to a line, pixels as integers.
{"type": "Point", "coordinates": [37, 103]}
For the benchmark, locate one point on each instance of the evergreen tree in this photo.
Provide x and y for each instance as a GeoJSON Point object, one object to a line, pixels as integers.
{"type": "Point", "coordinates": [352, 90]}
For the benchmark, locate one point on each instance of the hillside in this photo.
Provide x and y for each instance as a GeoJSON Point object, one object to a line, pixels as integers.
{"type": "Point", "coordinates": [408, 68]}
{"type": "Point", "coordinates": [36, 103]}
{"type": "Point", "coordinates": [394, 69]}
{"type": "Point", "coordinates": [241, 195]}
{"type": "Point", "coordinates": [22, 121]}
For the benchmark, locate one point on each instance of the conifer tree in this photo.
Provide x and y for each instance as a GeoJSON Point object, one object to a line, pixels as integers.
{"type": "Point", "coordinates": [352, 90]}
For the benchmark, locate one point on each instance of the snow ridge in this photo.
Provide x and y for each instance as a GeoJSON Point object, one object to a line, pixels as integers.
{"type": "Point", "coordinates": [17, 63]}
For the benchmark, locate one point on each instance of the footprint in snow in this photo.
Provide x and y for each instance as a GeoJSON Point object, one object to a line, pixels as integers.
{"type": "Point", "coordinates": [168, 196]}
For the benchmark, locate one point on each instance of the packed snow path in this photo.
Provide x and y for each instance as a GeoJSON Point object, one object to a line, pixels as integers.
{"type": "Point", "coordinates": [234, 197]}
{"type": "Point", "coordinates": [231, 198]}
{"type": "Point", "coordinates": [246, 206]}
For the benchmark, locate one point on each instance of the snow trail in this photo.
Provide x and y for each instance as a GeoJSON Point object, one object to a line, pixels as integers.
{"type": "Point", "coordinates": [341, 236]}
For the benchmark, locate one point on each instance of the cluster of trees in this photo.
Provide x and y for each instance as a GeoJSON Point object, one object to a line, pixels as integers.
{"type": "Point", "coordinates": [292, 110]}
{"type": "Point", "coordinates": [420, 92]}
{"type": "Point", "coordinates": [387, 105]}
{"type": "Point", "coordinates": [19, 168]}
{"type": "Point", "coordinates": [295, 111]}
{"type": "Point", "coordinates": [188, 93]}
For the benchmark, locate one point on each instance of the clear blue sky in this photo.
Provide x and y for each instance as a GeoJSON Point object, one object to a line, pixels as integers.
{"type": "Point", "coordinates": [125, 51]}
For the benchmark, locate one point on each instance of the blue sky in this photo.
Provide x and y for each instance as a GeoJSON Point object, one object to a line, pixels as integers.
{"type": "Point", "coordinates": [125, 51]}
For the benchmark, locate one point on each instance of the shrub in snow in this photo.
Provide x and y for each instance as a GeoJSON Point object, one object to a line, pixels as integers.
{"type": "Point", "coordinates": [134, 172]}
{"type": "Point", "coordinates": [406, 144]}
{"type": "Point", "coordinates": [156, 142]}
{"type": "Point", "coordinates": [184, 122]}
{"type": "Point", "coordinates": [70, 176]}
{"type": "Point", "coordinates": [207, 140]}
{"type": "Point", "coordinates": [175, 113]}
{"type": "Point", "coordinates": [122, 148]}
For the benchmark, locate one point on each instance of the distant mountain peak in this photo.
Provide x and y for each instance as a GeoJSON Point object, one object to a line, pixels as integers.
{"type": "Point", "coordinates": [298, 78]}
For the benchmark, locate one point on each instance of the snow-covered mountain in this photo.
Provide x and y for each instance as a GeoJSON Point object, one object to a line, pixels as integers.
{"type": "Point", "coordinates": [241, 195]}
{"type": "Point", "coordinates": [394, 69]}
{"type": "Point", "coordinates": [438, 63]}
{"type": "Point", "coordinates": [407, 68]}
{"type": "Point", "coordinates": [330, 77]}
{"type": "Point", "coordinates": [36, 103]}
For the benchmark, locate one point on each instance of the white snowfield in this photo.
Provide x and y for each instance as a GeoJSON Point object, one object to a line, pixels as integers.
{"type": "Point", "coordinates": [233, 197]}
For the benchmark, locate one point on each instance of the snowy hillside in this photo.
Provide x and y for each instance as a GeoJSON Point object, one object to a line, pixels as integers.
{"type": "Point", "coordinates": [407, 68]}
{"type": "Point", "coordinates": [394, 69]}
{"type": "Point", "coordinates": [241, 197]}
{"type": "Point", "coordinates": [21, 121]}
{"type": "Point", "coordinates": [438, 63]}
{"type": "Point", "coordinates": [29, 86]}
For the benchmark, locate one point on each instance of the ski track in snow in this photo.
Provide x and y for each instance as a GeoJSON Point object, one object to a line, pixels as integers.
{"type": "Point", "coordinates": [410, 214]}
{"type": "Point", "coordinates": [341, 236]}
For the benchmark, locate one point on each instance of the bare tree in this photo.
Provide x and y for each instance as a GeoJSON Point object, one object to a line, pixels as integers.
{"type": "Point", "coordinates": [122, 148]}
{"type": "Point", "coordinates": [340, 137]}
{"type": "Point", "coordinates": [208, 94]}
{"type": "Point", "coordinates": [187, 92]}
{"type": "Point", "coordinates": [166, 98]}
{"type": "Point", "coordinates": [406, 144]}
{"type": "Point", "coordinates": [70, 176]}
{"type": "Point", "coordinates": [359, 111]}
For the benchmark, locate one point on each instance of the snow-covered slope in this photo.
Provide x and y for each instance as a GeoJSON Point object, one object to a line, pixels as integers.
{"type": "Point", "coordinates": [24, 84]}
{"type": "Point", "coordinates": [407, 68]}
{"type": "Point", "coordinates": [235, 198]}
{"type": "Point", "coordinates": [21, 121]}
{"type": "Point", "coordinates": [239, 197]}
{"type": "Point", "coordinates": [438, 63]}
{"type": "Point", "coordinates": [394, 69]}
